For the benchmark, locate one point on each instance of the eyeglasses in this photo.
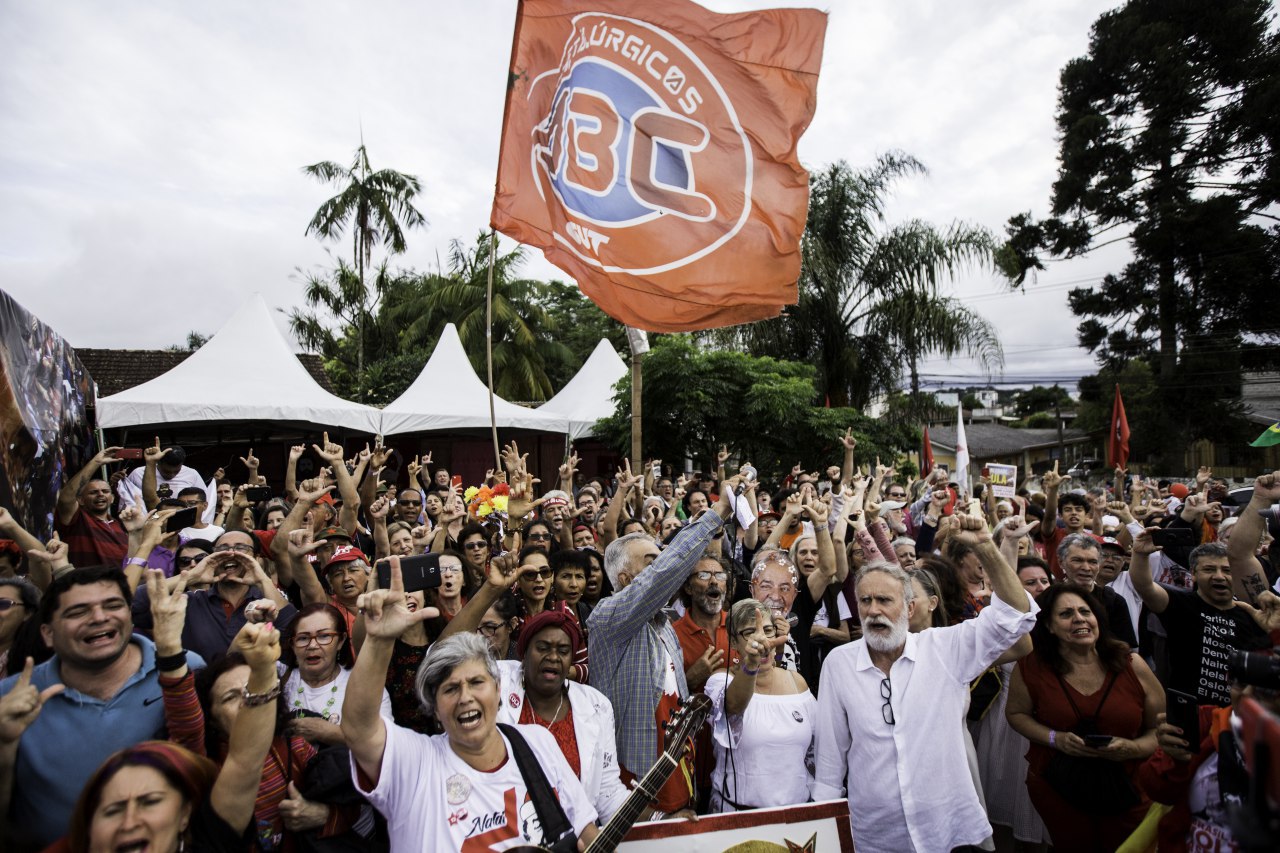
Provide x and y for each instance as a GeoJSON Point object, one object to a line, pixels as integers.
{"type": "Point", "coordinates": [475, 546]}
{"type": "Point", "coordinates": [451, 570]}
{"type": "Point", "coordinates": [241, 548]}
{"type": "Point", "coordinates": [187, 561]}
{"type": "Point", "coordinates": [535, 573]}
{"type": "Point", "coordinates": [324, 638]}
{"type": "Point", "coordinates": [886, 693]}
{"type": "Point", "coordinates": [706, 576]}
{"type": "Point", "coordinates": [539, 537]}
{"type": "Point", "coordinates": [488, 629]}
{"type": "Point", "coordinates": [6, 603]}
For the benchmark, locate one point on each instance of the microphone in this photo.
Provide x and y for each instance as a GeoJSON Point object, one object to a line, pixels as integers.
{"type": "Point", "coordinates": [749, 474]}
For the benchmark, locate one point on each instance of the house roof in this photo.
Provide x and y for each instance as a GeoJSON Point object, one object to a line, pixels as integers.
{"type": "Point", "coordinates": [991, 440]}
{"type": "Point", "coordinates": [117, 370]}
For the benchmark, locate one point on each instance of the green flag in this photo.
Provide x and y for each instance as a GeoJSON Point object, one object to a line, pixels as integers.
{"type": "Point", "coordinates": [1268, 438]}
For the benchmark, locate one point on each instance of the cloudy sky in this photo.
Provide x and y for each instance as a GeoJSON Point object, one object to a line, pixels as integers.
{"type": "Point", "coordinates": [150, 153]}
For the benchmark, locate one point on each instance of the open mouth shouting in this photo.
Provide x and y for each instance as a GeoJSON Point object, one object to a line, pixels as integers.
{"type": "Point", "coordinates": [470, 720]}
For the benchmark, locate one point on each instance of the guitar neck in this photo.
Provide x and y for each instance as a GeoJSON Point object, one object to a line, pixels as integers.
{"type": "Point", "coordinates": [612, 833]}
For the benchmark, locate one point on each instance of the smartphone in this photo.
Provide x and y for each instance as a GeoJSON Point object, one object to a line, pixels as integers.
{"type": "Point", "coordinates": [456, 482]}
{"type": "Point", "coordinates": [1096, 741]}
{"type": "Point", "coordinates": [129, 453]}
{"type": "Point", "coordinates": [1166, 536]}
{"type": "Point", "coordinates": [657, 470]}
{"type": "Point", "coordinates": [257, 494]}
{"type": "Point", "coordinates": [420, 572]}
{"type": "Point", "coordinates": [1183, 711]}
{"type": "Point", "coordinates": [181, 520]}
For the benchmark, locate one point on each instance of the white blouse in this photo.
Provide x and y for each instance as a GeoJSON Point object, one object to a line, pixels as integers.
{"type": "Point", "coordinates": [764, 757]}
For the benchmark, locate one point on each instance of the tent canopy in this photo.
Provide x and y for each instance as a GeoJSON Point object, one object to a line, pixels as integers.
{"type": "Point", "coordinates": [588, 396]}
{"type": "Point", "coordinates": [448, 395]}
{"type": "Point", "coordinates": [245, 372]}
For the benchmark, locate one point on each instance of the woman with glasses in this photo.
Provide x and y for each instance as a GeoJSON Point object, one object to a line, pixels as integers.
{"type": "Point", "coordinates": [317, 661]}
{"type": "Point", "coordinates": [19, 599]}
{"type": "Point", "coordinates": [189, 556]}
{"type": "Point", "coordinates": [538, 534]}
{"type": "Point", "coordinates": [533, 582]}
{"type": "Point", "coordinates": [474, 545]}
{"type": "Point", "coordinates": [762, 720]}
{"type": "Point", "coordinates": [454, 590]}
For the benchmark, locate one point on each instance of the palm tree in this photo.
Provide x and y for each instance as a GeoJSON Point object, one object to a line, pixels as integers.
{"type": "Point", "coordinates": [377, 207]}
{"type": "Point", "coordinates": [868, 295]}
{"type": "Point", "coordinates": [524, 332]}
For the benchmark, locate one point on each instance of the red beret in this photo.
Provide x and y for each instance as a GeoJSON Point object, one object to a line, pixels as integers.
{"type": "Point", "coordinates": [556, 618]}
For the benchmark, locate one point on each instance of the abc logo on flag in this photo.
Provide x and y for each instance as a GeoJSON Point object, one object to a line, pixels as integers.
{"type": "Point", "coordinates": [640, 148]}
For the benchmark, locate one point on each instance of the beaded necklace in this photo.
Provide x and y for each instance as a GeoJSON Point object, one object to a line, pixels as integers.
{"type": "Point", "coordinates": [328, 706]}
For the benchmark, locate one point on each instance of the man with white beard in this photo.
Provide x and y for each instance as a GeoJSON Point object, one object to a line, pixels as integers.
{"type": "Point", "coordinates": [891, 710]}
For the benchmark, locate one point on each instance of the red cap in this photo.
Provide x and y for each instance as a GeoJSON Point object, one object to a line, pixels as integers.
{"type": "Point", "coordinates": [345, 554]}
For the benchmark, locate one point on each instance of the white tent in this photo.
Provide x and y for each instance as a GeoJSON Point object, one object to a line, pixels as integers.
{"type": "Point", "coordinates": [448, 395]}
{"type": "Point", "coordinates": [246, 372]}
{"type": "Point", "coordinates": [588, 396]}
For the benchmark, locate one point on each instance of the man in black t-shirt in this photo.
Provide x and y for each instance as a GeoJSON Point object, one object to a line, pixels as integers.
{"type": "Point", "coordinates": [1203, 624]}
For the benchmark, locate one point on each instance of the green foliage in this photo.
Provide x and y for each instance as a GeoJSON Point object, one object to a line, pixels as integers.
{"type": "Point", "coordinates": [525, 334]}
{"type": "Point", "coordinates": [868, 292]}
{"type": "Point", "coordinates": [762, 408]}
{"type": "Point", "coordinates": [1040, 420]}
{"type": "Point", "coordinates": [376, 207]}
{"type": "Point", "coordinates": [1038, 398]}
{"type": "Point", "coordinates": [1168, 141]}
{"type": "Point", "coordinates": [579, 324]}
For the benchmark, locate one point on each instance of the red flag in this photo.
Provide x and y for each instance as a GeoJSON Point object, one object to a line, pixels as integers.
{"type": "Point", "coordinates": [926, 455]}
{"type": "Point", "coordinates": [1118, 450]}
{"type": "Point", "coordinates": [649, 149]}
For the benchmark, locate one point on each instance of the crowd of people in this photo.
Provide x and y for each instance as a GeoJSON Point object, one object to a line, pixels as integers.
{"type": "Point", "coordinates": [351, 663]}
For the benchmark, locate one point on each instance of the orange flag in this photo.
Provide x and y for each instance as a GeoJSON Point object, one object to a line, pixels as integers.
{"type": "Point", "coordinates": [649, 149]}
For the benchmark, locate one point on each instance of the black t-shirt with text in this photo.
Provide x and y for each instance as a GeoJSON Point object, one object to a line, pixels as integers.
{"type": "Point", "coordinates": [1200, 637]}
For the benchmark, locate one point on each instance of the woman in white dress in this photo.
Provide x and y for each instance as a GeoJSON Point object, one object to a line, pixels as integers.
{"type": "Point", "coordinates": [762, 719]}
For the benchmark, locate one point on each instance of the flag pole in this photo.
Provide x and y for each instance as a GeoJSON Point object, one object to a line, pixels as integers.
{"type": "Point", "coordinates": [488, 346]}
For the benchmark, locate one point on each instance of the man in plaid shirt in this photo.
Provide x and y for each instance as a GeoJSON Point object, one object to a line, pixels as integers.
{"type": "Point", "coordinates": [635, 655]}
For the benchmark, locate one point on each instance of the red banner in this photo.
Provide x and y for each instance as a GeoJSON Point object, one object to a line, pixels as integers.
{"type": "Point", "coordinates": [1118, 449]}
{"type": "Point", "coordinates": [649, 149]}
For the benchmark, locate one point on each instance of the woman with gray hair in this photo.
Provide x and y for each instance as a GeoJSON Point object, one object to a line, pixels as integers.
{"type": "Point", "coordinates": [440, 792]}
{"type": "Point", "coordinates": [762, 719]}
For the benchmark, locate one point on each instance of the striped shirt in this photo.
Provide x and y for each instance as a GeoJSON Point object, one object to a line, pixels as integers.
{"type": "Point", "coordinates": [630, 637]}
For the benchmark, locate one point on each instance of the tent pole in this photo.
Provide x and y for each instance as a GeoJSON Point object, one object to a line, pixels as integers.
{"type": "Point", "coordinates": [488, 347]}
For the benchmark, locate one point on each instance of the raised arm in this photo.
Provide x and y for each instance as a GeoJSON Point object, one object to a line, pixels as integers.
{"type": "Point", "coordinates": [626, 482]}
{"type": "Point", "coordinates": [18, 710]}
{"type": "Point", "coordinates": [377, 513]}
{"type": "Point", "coordinates": [825, 573]}
{"type": "Point", "coordinates": [847, 470]}
{"type": "Point", "coordinates": [1003, 578]}
{"type": "Point", "coordinates": [300, 544]}
{"type": "Point", "coordinates": [1052, 482]}
{"type": "Point", "coordinates": [332, 453]}
{"type": "Point", "coordinates": [1247, 577]}
{"type": "Point", "coordinates": [312, 492]}
{"type": "Point", "coordinates": [11, 529]}
{"type": "Point", "coordinates": [235, 793]}
{"type": "Point", "coordinates": [385, 618]}
{"type": "Point", "coordinates": [499, 577]}
{"type": "Point", "coordinates": [69, 494]}
{"type": "Point", "coordinates": [291, 471]}
{"type": "Point", "coordinates": [1153, 595]}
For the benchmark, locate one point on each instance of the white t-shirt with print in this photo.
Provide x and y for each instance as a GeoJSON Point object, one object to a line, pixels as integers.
{"type": "Point", "coordinates": [327, 699]}
{"type": "Point", "coordinates": [435, 802]}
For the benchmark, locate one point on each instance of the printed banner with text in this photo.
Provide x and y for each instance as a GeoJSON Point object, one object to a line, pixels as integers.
{"type": "Point", "coordinates": [649, 149]}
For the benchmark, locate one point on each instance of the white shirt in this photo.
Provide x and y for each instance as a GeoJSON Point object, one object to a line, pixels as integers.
{"type": "Point", "coordinates": [435, 802]}
{"type": "Point", "coordinates": [327, 699]}
{"type": "Point", "coordinates": [909, 783]}
{"type": "Point", "coordinates": [208, 533]}
{"type": "Point", "coordinates": [775, 732]}
{"type": "Point", "coordinates": [130, 488]}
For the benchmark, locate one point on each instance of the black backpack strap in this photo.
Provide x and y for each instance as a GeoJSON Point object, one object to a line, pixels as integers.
{"type": "Point", "coordinates": [555, 825]}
